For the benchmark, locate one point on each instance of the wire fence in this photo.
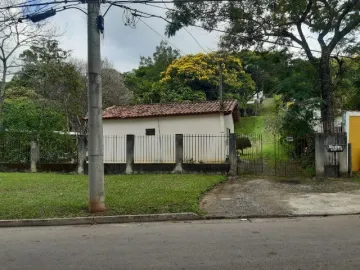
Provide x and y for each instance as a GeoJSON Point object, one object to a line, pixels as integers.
{"type": "Point", "coordinates": [57, 148]}
{"type": "Point", "coordinates": [53, 148]}
{"type": "Point", "coordinates": [15, 147]}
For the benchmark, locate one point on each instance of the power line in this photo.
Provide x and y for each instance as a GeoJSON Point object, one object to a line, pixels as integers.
{"type": "Point", "coordinates": [115, 3]}
{"type": "Point", "coordinates": [41, 4]}
{"type": "Point", "coordinates": [148, 15]}
{"type": "Point", "coordinates": [151, 15]}
{"type": "Point", "coordinates": [169, 1]}
{"type": "Point", "coordinates": [161, 36]}
{"type": "Point", "coordinates": [195, 40]}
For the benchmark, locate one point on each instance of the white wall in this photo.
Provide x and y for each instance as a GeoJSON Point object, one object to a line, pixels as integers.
{"type": "Point", "coordinates": [206, 141]}
{"type": "Point", "coordinates": [229, 123]}
{"type": "Point", "coordinates": [192, 124]}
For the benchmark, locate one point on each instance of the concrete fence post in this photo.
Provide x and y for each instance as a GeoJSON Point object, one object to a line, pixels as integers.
{"type": "Point", "coordinates": [130, 147]}
{"type": "Point", "coordinates": [343, 156]}
{"type": "Point", "coordinates": [34, 155]}
{"type": "Point", "coordinates": [232, 154]}
{"type": "Point", "coordinates": [179, 153]}
{"type": "Point", "coordinates": [81, 148]}
{"type": "Point", "coordinates": [320, 155]}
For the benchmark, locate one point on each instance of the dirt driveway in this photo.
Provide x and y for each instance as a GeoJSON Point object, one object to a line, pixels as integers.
{"type": "Point", "coordinates": [261, 197]}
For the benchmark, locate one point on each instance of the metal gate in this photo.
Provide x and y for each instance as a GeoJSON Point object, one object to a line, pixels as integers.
{"type": "Point", "coordinates": [275, 155]}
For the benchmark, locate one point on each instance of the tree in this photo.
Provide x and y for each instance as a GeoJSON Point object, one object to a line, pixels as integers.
{"type": "Point", "coordinates": [38, 115]}
{"type": "Point", "coordinates": [282, 22]}
{"type": "Point", "coordinates": [266, 68]}
{"type": "Point", "coordinates": [114, 89]}
{"type": "Point", "coordinates": [346, 75]}
{"type": "Point", "coordinates": [15, 35]}
{"type": "Point", "coordinates": [200, 72]}
{"type": "Point", "coordinates": [143, 81]}
{"type": "Point", "coordinates": [46, 71]}
{"type": "Point", "coordinates": [151, 68]}
{"type": "Point", "coordinates": [299, 83]}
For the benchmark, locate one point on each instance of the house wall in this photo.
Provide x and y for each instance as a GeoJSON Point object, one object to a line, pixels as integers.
{"type": "Point", "coordinates": [192, 124]}
{"type": "Point", "coordinates": [229, 123]}
{"type": "Point", "coordinates": [352, 127]}
{"type": "Point", "coordinates": [205, 138]}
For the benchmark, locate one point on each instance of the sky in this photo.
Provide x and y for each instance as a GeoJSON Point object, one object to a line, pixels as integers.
{"type": "Point", "coordinates": [123, 45]}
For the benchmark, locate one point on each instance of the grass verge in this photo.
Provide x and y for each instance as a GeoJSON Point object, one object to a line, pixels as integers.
{"type": "Point", "coordinates": [24, 195]}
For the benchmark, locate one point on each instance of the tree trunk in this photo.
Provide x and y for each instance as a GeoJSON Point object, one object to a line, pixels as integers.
{"type": "Point", "coordinates": [327, 104]}
{"type": "Point", "coordinates": [1, 113]}
{"type": "Point", "coordinates": [2, 93]}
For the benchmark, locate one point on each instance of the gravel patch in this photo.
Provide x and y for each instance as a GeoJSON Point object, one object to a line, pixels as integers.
{"type": "Point", "coordinates": [263, 197]}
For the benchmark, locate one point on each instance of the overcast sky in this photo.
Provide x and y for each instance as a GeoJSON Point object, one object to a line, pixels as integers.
{"type": "Point", "coordinates": [123, 45]}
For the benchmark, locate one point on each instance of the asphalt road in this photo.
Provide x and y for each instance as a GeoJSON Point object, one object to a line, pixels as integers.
{"type": "Point", "coordinates": [306, 243]}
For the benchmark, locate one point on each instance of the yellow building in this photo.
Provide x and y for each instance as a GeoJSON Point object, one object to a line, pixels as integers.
{"type": "Point", "coordinates": [352, 125]}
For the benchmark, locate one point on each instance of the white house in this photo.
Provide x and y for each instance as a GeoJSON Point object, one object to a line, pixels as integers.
{"type": "Point", "coordinates": [205, 126]}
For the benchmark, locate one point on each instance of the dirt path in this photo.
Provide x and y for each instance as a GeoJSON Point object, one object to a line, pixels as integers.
{"type": "Point", "coordinates": [261, 197]}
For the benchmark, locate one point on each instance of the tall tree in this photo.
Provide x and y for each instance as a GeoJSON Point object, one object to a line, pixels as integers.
{"type": "Point", "coordinates": [144, 81]}
{"type": "Point", "coordinates": [266, 68]}
{"type": "Point", "coordinates": [283, 22]}
{"type": "Point", "coordinates": [114, 89]}
{"type": "Point", "coordinates": [201, 71]}
{"type": "Point", "coordinates": [164, 55]}
{"type": "Point", "coordinates": [15, 35]}
{"type": "Point", "coordinates": [53, 79]}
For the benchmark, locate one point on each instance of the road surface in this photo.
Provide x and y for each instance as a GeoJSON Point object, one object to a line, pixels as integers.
{"type": "Point", "coordinates": [306, 243]}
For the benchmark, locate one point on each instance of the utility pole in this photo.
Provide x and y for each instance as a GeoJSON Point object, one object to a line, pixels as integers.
{"type": "Point", "coordinates": [221, 87]}
{"type": "Point", "coordinates": [95, 129]}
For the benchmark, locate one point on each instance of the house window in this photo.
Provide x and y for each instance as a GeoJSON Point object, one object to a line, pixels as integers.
{"type": "Point", "coordinates": [150, 131]}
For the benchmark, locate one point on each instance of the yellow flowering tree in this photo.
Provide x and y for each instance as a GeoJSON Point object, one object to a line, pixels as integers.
{"type": "Point", "coordinates": [200, 72]}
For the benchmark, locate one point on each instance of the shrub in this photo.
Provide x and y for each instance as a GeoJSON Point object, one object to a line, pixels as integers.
{"type": "Point", "coordinates": [243, 143]}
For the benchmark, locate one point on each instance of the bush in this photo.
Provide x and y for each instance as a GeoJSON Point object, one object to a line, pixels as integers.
{"type": "Point", "coordinates": [54, 147]}
{"type": "Point", "coordinates": [243, 143]}
{"type": "Point", "coordinates": [298, 123]}
{"type": "Point", "coordinates": [250, 110]}
{"type": "Point", "coordinates": [15, 147]}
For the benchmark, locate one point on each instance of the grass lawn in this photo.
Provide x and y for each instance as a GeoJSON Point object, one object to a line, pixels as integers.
{"type": "Point", "coordinates": [25, 195]}
{"type": "Point", "coordinates": [250, 125]}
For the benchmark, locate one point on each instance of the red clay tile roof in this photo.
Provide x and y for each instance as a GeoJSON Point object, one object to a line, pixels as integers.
{"type": "Point", "coordinates": [154, 110]}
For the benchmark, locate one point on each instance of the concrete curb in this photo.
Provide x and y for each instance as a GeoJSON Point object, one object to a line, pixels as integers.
{"type": "Point", "coordinates": [99, 220]}
{"type": "Point", "coordinates": [278, 216]}
{"type": "Point", "coordinates": [143, 218]}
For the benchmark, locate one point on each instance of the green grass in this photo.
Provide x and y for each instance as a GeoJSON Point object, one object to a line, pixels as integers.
{"type": "Point", "coordinates": [24, 195]}
{"type": "Point", "coordinates": [250, 125]}
{"type": "Point", "coordinates": [255, 126]}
